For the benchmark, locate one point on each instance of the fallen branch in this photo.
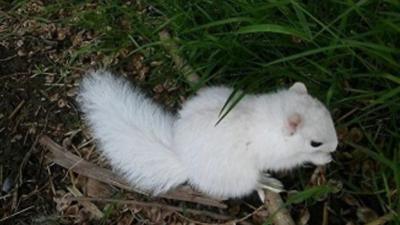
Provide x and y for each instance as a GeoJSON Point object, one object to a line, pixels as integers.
{"type": "Point", "coordinates": [15, 111]}
{"type": "Point", "coordinates": [276, 208]}
{"type": "Point", "coordinates": [155, 204]}
{"type": "Point", "coordinates": [80, 166]}
{"type": "Point", "coordinates": [16, 213]}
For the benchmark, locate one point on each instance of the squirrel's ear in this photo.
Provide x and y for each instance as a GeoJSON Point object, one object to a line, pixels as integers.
{"type": "Point", "coordinates": [293, 122]}
{"type": "Point", "coordinates": [299, 88]}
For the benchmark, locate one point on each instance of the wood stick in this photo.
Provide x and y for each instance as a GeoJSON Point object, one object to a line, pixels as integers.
{"type": "Point", "coordinates": [17, 213]}
{"type": "Point", "coordinates": [80, 166]}
{"type": "Point", "coordinates": [276, 208]}
{"type": "Point", "coordinates": [155, 204]}
{"type": "Point", "coordinates": [14, 112]}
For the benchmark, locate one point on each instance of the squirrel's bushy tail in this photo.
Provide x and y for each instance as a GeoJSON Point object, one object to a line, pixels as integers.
{"type": "Point", "coordinates": [134, 133]}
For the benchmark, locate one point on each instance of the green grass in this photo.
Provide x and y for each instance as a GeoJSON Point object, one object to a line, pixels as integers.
{"type": "Point", "coordinates": [346, 52]}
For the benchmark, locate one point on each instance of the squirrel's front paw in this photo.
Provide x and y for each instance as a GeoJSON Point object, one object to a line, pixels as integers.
{"type": "Point", "coordinates": [321, 158]}
{"type": "Point", "coordinates": [267, 182]}
{"type": "Point", "coordinates": [270, 183]}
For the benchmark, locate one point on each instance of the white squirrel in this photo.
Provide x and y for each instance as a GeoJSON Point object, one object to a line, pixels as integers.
{"type": "Point", "coordinates": [158, 151]}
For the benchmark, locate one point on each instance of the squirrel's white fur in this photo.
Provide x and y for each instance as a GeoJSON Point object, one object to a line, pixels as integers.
{"type": "Point", "coordinates": [157, 151]}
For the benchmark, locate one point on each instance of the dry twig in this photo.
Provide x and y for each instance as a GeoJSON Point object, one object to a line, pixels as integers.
{"type": "Point", "coordinates": [19, 106]}
{"type": "Point", "coordinates": [274, 204]}
{"type": "Point", "coordinates": [17, 213]}
{"type": "Point", "coordinates": [78, 165]}
{"type": "Point", "coordinates": [155, 204]}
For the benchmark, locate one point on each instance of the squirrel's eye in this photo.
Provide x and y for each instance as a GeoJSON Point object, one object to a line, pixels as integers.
{"type": "Point", "coordinates": [315, 144]}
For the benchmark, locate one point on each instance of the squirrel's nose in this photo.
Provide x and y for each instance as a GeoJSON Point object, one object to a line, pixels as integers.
{"type": "Point", "coordinates": [333, 147]}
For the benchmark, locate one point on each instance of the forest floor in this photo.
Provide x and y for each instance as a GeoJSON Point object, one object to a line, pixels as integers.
{"type": "Point", "coordinates": [45, 49]}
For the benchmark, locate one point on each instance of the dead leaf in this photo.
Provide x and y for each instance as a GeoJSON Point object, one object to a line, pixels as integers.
{"type": "Point", "coordinates": [62, 33]}
{"type": "Point", "coordinates": [350, 200]}
{"type": "Point", "coordinates": [71, 210]}
{"type": "Point", "coordinates": [158, 88]}
{"type": "Point", "coordinates": [21, 52]}
{"type": "Point", "coordinates": [366, 214]}
{"type": "Point", "coordinates": [62, 200]}
{"type": "Point", "coordinates": [143, 73]}
{"type": "Point", "coordinates": [50, 78]}
{"type": "Point", "coordinates": [61, 103]}
{"type": "Point", "coordinates": [342, 133]}
{"type": "Point", "coordinates": [259, 216]}
{"type": "Point", "coordinates": [336, 185]}
{"type": "Point", "coordinates": [304, 217]}
{"type": "Point", "coordinates": [296, 40]}
{"type": "Point", "coordinates": [355, 135]}
{"type": "Point", "coordinates": [97, 189]}
{"type": "Point", "coordinates": [137, 61]}
{"type": "Point", "coordinates": [234, 209]}
{"type": "Point", "coordinates": [126, 219]}
{"type": "Point", "coordinates": [318, 177]}
{"type": "Point", "coordinates": [54, 97]}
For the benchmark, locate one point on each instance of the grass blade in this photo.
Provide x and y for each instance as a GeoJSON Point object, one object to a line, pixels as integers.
{"type": "Point", "coordinates": [272, 28]}
{"type": "Point", "coordinates": [303, 54]}
{"type": "Point", "coordinates": [218, 23]}
{"type": "Point", "coordinates": [230, 103]}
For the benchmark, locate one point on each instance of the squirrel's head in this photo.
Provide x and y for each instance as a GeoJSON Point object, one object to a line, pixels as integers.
{"type": "Point", "coordinates": [308, 128]}
{"type": "Point", "coordinates": [307, 131]}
